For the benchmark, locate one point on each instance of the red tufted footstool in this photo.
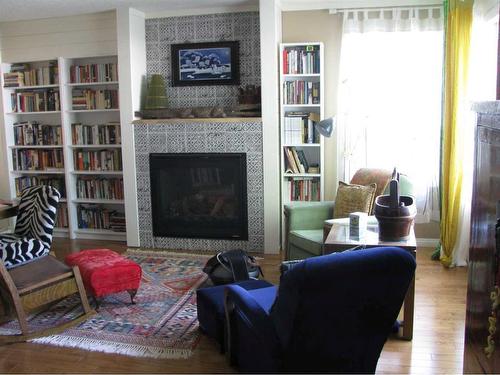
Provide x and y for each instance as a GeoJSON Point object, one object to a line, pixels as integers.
{"type": "Point", "coordinates": [105, 272]}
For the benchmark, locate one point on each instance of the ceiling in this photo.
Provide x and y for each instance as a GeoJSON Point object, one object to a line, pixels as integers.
{"type": "Point", "coordinates": [14, 10]}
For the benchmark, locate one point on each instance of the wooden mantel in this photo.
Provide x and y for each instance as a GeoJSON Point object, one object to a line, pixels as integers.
{"type": "Point", "coordinates": [195, 120]}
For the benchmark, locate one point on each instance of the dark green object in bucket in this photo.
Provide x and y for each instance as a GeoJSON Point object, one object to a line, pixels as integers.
{"type": "Point", "coordinates": [156, 98]}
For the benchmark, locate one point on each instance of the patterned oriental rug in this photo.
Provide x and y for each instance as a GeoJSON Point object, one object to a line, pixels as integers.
{"type": "Point", "coordinates": [162, 324]}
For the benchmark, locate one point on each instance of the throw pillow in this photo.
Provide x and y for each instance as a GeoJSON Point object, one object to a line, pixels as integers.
{"type": "Point", "coordinates": [353, 198]}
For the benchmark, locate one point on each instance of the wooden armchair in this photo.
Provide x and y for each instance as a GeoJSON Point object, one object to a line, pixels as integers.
{"type": "Point", "coordinates": [30, 279]}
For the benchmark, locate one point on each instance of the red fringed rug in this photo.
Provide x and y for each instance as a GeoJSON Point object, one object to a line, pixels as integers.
{"type": "Point", "coordinates": [162, 323]}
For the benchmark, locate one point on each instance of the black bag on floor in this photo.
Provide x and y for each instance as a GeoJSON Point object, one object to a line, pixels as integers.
{"type": "Point", "coordinates": [231, 266]}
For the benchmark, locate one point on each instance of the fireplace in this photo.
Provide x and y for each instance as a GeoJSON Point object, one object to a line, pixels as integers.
{"type": "Point", "coordinates": [199, 195]}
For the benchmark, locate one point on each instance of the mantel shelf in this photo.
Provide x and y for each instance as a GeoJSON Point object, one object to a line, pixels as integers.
{"type": "Point", "coordinates": [197, 120]}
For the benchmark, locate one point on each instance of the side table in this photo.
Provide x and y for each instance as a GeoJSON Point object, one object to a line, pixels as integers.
{"type": "Point", "coordinates": [336, 238]}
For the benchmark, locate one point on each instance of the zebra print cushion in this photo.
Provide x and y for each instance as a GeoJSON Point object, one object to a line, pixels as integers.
{"type": "Point", "coordinates": [32, 237]}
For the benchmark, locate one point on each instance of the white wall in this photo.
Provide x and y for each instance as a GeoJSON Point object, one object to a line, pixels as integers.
{"type": "Point", "coordinates": [132, 68]}
{"type": "Point", "coordinates": [270, 37]}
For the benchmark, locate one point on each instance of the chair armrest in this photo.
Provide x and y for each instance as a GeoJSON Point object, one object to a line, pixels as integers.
{"type": "Point", "coordinates": [238, 302]}
{"type": "Point", "coordinates": [307, 215]}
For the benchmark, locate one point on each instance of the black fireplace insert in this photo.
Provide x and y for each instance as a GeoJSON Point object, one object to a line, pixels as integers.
{"type": "Point", "coordinates": [199, 195]}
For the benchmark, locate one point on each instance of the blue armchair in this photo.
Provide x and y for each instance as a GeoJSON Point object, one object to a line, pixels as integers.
{"type": "Point", "coordinates": [333, 314]}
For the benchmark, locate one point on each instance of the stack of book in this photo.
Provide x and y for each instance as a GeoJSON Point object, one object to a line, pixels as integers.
{"type": "Point", "coordinates": [89, 187]}
{"type": "Point", "coordinates": [299, 128]}
{"type": "Point", "coordinates": [38, 160]}
{"type": "Point", "coordinates": [99, 160]}
{"type": "Point", "coordinates": [301, 92]}
{"type": "Point", "coordinates": [93, 217]}
{"type": "Point", "coordinates": [15, 79]}
{"type": "Point", "coordinates": [62, 216]}
{"type": "Point", "coordinates": [301, 60]}
{"type": "Point", "coordinates": [117, 222]}
{"type": "Point", "coordinates": [35, 101]}
{"type": "Point", "coordinates": [93, 73]}
{"type": "Point", "coordinates": [47, 75]}
{"type": "Point", "coordinates": [296, 161]}
{"type": "Point", "coordinates": [101, 134]}
{"type": "Point", "coordinates": [94, 99]}
{"type": "Point", "coordinates": [304, 189]}
{"type": "Point", "coordinates": [30, 133]}
{"type": "Point", "coordinates": [24, 182]}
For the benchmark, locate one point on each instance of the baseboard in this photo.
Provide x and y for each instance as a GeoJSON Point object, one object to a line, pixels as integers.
{"type": "Point", "coordinates": [427, 242]}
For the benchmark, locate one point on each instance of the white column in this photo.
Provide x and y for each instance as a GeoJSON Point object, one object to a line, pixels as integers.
{"type": "Point", "coordinates": [270, 37]}
{"type": "Point", "coordinates": [131, 35]}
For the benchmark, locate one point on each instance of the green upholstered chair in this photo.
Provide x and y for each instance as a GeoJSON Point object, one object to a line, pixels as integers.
{"type": "Point", "coordinates": [304, 220]}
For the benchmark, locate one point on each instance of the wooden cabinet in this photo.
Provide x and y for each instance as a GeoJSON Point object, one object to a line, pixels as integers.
{"type": "Point", "coordinates": [482, 332]}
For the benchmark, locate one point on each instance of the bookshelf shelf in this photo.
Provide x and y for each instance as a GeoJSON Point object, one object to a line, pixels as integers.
{"type": "Point", "coordinates": [94, 110]}
{"type": "Point", "coordinates": [110, 173]}
{"type": "Point", "coordinates": [99, 201]}
{"type": "Point", "coordinates": [288, 175]}
{"type": "Point", "coordinates": [301, 80]}
{"type": "Point", "coordinates": [85, 84]}
{"type": "Point", "coordinates": [298, 145]}
{"type": "Point", "coordinates": [30, 87]}
{"type": "Point", "coordinates": [45, 171]}
{"type": "Point", "coordinates": [19, 147]}
{"type": "Point", "coordinates": [286, 106]}
{"type": "Point", "coordinates": [56, 79]}
{"type": "Point", "coordinates": [34, 113]}
{"type": "Point", "coordinates": [97, 146]}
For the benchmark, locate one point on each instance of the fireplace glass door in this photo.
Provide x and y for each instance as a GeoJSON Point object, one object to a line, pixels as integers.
{"type": "Point", "coordinates": [199, 195]}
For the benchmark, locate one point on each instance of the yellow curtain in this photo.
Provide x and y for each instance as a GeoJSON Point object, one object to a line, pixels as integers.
{"type": "Point", "coordinates": [458, 33]}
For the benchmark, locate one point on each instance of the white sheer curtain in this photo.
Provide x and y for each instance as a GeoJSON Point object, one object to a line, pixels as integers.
{"type": "Point", "coordinates": [390, 96]}
{"type": "Point", "coordinates": [481, 86]}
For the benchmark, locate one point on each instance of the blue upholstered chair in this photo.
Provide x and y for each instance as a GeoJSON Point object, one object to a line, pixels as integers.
{"type": "Point", "coordinates": [331, 313]}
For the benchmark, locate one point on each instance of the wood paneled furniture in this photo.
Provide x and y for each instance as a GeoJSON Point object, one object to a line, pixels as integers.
{"type": "Point", "coordinates": [481, 332]}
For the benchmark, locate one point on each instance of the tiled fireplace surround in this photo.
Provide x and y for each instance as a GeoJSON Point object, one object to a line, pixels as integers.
{"type": "Point", "coordinates": [185, 136]}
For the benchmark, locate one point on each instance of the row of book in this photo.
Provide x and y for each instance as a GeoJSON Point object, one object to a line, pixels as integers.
{"type": "Point", "coordinates": [99, 134]}
{"type": "Point", "coordinates": [93, 73]}
{"type": "Point", "coordinates": [97, 217]}
{"type": "Point", "coordinates": [301, 60]}
{"type": "Point", "coordinates": [62, 216]}
{"type": "Point", "coordinates": [21, 75]}
{"type": "Point", "coordinates": [30, 133]}
{"type": "Point", "coordinates": [38, 160]}
{"type": "Point", "coordinates": [296, 162]}
{"type": "Point", "coordinates": [24, 182]}
{"type": "Point", "coordinates": [88, 187]}
{"type": "Point", "coordinates": [301, 92]}
{"type": "Point", "coordinates": [299, 128]}
{"type": "Point", "coordinates": [99, 160]}
{"type": "Point", "coordinates": [304, 189]}
{"type": "Point", "coordinates": [40, 100]}
{"type": "Point", "coordinates": [94, 99]}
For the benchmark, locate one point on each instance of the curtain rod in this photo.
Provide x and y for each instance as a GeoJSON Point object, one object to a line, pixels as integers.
{"type": "Point", "coordinates": [348, 9]}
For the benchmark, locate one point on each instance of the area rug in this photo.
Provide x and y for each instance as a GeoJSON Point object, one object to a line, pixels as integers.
{"type": "Point", "coordinates": [162, 324]}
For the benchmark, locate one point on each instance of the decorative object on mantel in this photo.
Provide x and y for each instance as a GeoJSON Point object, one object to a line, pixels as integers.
{"type": "Point", "coordinates": [249, 100]}
{"type": "Point", "coordinates": [194, 112]}
{"type": "Point", "coordinates": [156, 98]}
{"type": "Point", "coordinates": [161, 324]}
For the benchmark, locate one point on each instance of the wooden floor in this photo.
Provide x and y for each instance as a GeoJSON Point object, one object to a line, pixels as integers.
{"type": "Point", "coordinates": [437, 346]}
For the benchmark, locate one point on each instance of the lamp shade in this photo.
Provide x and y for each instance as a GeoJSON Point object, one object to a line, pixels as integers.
{"type": "Point", "coordinates": [326, 127]}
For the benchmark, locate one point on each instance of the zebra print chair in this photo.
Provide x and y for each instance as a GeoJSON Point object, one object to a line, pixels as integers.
{"type": "Point", "coordinates": [29, 279]}
{"type": "Point", "coordinates": [35, 223]}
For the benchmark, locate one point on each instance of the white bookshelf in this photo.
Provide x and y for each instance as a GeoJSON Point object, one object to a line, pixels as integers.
{"type": "Point", "coordinates": [65, 116]}
{"type": "Point", "coordinates": [313, 152]}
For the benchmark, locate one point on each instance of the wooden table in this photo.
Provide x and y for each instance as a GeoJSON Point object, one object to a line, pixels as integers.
{"type": "Point", "coordinates": [7, 210]}
{"type": "Point", "coordinates": [336, 238]}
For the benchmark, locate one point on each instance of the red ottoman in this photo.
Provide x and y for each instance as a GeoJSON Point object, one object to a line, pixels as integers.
{"type": "Point", "coordinates": [106, 272]}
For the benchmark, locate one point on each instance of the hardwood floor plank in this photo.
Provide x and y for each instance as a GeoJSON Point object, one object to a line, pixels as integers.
{"type": "Point", "coordinates": [437, 346]}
